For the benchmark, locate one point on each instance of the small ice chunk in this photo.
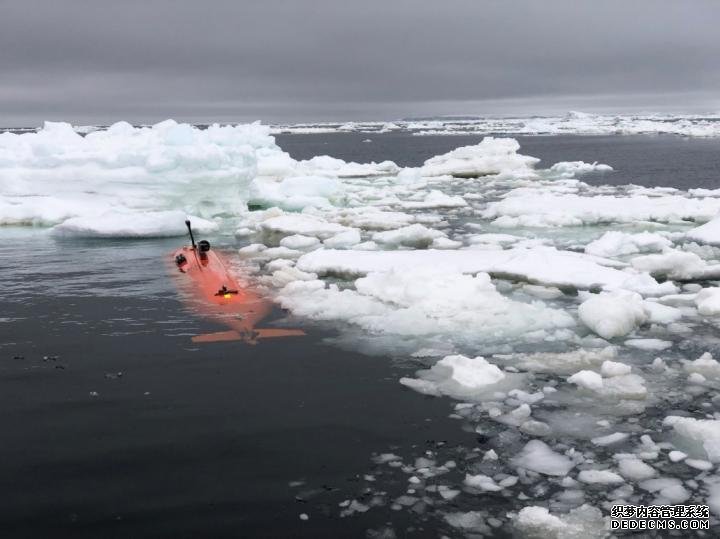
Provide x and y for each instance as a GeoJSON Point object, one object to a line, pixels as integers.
{"type": "Point", "coordinates": [538, 457]}
{"type": "Point", "coordinates": [472, 521]}
{"type": "Point", "coordinates": [614, 368]}
{"type": "Point", "coordinates": [707, 233]}
{"type": "Point", "coordinates": [699, 464]}
{"type": "Point", "coordinates": [344, 240]}
{"type": "Point", "coordinates": [605, 477]}
{"type": "Point", "coordinates": [676, 456]}
{"type": "Point", "coordinates": [482, 482]}
{"type": "Point", "coordinates": [416, 235]}
{"type": "Point", "coordinates": [635, 469]}
{"type": "Point", "coordinates": [648, 344]}
{"type": "Point", "coordinates": [669, 489]}
{"type": "Point", "coordinates": [456, 375]}
{"type": "Point", "coordinates": [614, 243]}
{"type": "Point", "coordinates": [299, 242]}
{"type": "Point", "coordinates": [708, 301]}
{"type": "Point", "coordinates": [610, 439]}
{"type": "Point", "coordinates": [584, 522]}
{"type": "Point", "coordinates": [700, 435]}
{"type": "Point", "coordinates": [612, 314]}
{"type": "Point", "coordinates": [705, 365]}
{"type": "Point", "coordinates": [587, 379]}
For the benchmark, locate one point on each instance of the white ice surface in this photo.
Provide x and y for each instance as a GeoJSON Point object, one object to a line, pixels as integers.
{"type": "Point", "coordinates": [491, 156]}
{"type": "Point", "coordinates": [137, 224]}
{"type": "Point", "coordinates": [55, 174]}
{"type": "Point", "coordinates": [544, 265]}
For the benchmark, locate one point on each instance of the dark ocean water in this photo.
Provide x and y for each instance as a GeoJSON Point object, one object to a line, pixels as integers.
{"type": "Point", "coordinates": [666, 161]}
{"type": "Point", "coordinates": [204, 441]}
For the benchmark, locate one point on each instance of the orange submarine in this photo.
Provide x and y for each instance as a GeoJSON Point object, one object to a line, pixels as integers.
{"type": "Point", "coordinates": [211, 291]}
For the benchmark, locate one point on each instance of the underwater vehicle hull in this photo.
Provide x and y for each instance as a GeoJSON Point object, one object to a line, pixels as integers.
{"type": "Point", "coordinates": [212, 291]}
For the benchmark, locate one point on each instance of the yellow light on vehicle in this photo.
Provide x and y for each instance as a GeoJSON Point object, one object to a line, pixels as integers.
{"type": "Point", "coordinates": [227, 296]}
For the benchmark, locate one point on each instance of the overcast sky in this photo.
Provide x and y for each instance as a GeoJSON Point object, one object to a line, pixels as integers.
{"type": "Point", "coordinates": [97, 61]}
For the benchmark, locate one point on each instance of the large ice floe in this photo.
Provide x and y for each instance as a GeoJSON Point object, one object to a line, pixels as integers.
{"type": "Point", "coordinates": [572, 326]}
{"type": "Point", "coordinates": [125, 175]}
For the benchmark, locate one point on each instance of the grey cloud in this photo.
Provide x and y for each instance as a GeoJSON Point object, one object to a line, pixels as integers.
{"type": "Point", "coordinates": [281, 60]}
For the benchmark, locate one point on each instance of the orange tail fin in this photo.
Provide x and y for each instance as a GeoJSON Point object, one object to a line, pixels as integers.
{"type": "Point", "coordinates": [251, 337]}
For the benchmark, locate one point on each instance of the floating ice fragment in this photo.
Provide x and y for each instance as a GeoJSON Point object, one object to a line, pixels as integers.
{"type": "Point", "coordinates": [457, 376]}
{"type": "Point", "coordinates": [490, 156]}
{"type": "Point", "coordinates": [416, 235]}
{"type": "Point", "coordinates": [135, 224]}
{"type": "Point", "coordinates": [708, 301]}
{"type": "Point", "coordinates": [471, 521]}
{"type": "Point", "coordinates": [610, 439]}
{"type": "Point", "coordinates": [700, 436]}
{"type": "Point", "coordinates": [584, 522]}
{"type": "Point", "coordinates": [612, 314]}
{"type": "Point", "coordinates": [587, 379]}
{"type": "Point", "coordinates": [303, 224]}
{"type": "Point", "coordinates": [707, 233]}
{"type": "Point", "coordinates": [614, 368]}
{"type": "Point", "coordinates": [343, 240]}
{"type": "Point", "coordinates": [635, 469]}
{"type": "Point", "coordinates": [676, 456]}
{"type": "Point", "coordinates": [299, 242]}
{"type": "Point", "coordinates": [570, 169]}
{"type": "Point", "coordinates": [481, 482]}
{"type": "Point", "coordinates": [614, 243]}
{"type": "Point", "coordinates": [538, 457]}
{"type": "Point", "coordinates": [605, 477]}
{"type": "Point", "coordinates": [544, 265]}
{"type": "Point", "coordinates": [648, 344]}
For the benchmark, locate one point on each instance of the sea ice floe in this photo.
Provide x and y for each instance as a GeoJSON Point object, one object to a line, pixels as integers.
{"type": "Point", "coordinates": [343, 240]}
{"type": "Point", "coordinates": [133, 224]}
{"type": "Point", "coordinates": [613, 314]}
{"type": "Point", "coordinates": [491, 156]}
{"type": "Point", "coordinates": [648, 344]}
{"type": "Point", "coordinates": [705, 365]}
{"type": "Point", "coordinates": [424, 303]}
{"type": "Point", "coordinates": [634, 469]}
{"type": "Point", "coordinates": [699, 437]}
{"type": "Point", "coordinates": [538, 208]}
{"type": "Point", "coordinates": [708, 233]}
{"type": "Point", "coordinates": [676, 264]}
{"type": "Point", "coordinates": [570, 169]}
{"type": "Point", "coordinates": [457, 376]}
{"type": "Point", "coordinates": [543, 265]}
{"type": "Point", "coordinates": [296, 192]}
{"type": "Point", "coordinates": [708, 301]}
{"type": "Point", "coordinates": [416, 235]}
{"type": "Point", "coordinates": [584, 522]}
{"type": "Point", "coordinates": [56, 174]}
{"type": "Point", "coordinates": [562, 363]}
{"type": "Point", "coordinates": [615, 243]}
{"type": "Point", "coordinates": [538, 457]}
{"type": "Point", "coordinates": [605, 477]}
{"type": "Point", "coordinates": [302, 224]}
{"type": "Point", "coordinates": [669, 490]}
{"type": "Point", "coordinates": [611, 384]}
{"type": "Point", "coordinates": [298, 241]}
